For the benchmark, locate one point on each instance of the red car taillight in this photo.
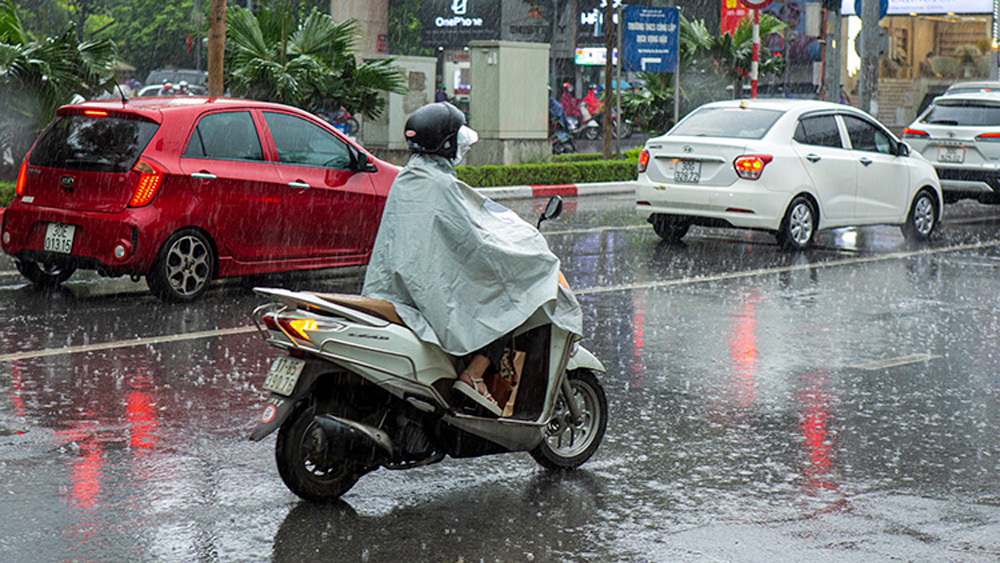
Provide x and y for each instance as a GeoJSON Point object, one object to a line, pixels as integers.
{"type": "Point", "coordinates": [751, 166]}
{"type": "Point", "coordinates": [993, 137]}
{"type": "Point", "coordinates": [150, 177]}
{"type": "Point", "coordinates": [911, 133]}
{"type": "Point", "coordinates": [21, 175]}
{"type": "Point", "coordinates": [643, 160]}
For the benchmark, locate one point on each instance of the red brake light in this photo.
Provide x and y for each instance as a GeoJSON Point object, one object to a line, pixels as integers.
{"type": "Point", "coordinates": [150, 177]}
{"type": "Point", "coordinates": [907, 132]}
{"type": "Point", "coordinates": [751, 166]}
{"type": "Point", "coordinates": [643, 160]}
{"type": "Point", "coordinates": [95, 113]}
{"type": "Point", "coordinates": [21, 175]}
{"type": "Point", "coordinates": [988, 137]}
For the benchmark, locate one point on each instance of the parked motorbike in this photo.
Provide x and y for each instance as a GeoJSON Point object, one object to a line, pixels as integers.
{"type": "Point", "coordinates": [357, 390]}
{"type": "Point", "coordinates": [562, 142]}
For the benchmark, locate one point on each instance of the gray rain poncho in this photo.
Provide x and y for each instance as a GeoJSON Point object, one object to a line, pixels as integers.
{"type": "Point", "coordinates": [461, 269]}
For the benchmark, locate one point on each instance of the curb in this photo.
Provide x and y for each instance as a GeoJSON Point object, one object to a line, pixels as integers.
{"type": "Point", "coordinates": [530, 191]}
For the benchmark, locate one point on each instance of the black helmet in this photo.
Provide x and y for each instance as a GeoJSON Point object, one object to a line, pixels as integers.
{"type": "Point", "coordinates": [434, 129]}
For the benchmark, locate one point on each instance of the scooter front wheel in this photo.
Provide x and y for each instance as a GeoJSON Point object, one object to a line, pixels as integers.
{"type": "Point", "coordinates": [567, 445]}
{"type": "Point", "coordinates": [305, 463]}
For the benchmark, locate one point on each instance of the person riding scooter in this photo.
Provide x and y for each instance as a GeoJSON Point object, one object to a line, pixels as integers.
{"type": "Point", "coordinates": [461, 270]}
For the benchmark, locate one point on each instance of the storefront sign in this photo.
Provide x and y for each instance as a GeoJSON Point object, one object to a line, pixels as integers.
{"type": "Point", "coordinates": [453, 23]}
{"type": "Point", "coordinates": [905, 7]}
{"type": "Point", "coordinates": [590, 21]}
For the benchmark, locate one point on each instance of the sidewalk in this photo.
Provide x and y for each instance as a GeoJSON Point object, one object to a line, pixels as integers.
{"type": "Point", "coordinates": [9, 274]}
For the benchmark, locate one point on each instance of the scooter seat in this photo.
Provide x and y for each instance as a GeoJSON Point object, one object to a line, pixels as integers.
{"type": "Point", "coordinates": [377, 307]}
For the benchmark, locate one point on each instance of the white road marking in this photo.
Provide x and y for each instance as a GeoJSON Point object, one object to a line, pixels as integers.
{"type": "Point", "coordinates": [124, 343]}
{"type": "Point", "coordinates": [783, 269]}
{"type": "Point", "coordinates": [895, 362]}
{"type": "Point", "coordinates": [30, 354]}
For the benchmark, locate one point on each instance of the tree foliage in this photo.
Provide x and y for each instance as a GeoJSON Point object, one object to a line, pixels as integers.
{"type": "Point", "coordinates": [308, 63]}
{"type": "Point", "coordinates": [710, 66]}
{"type": "Point", "coordinates": [36, 77]}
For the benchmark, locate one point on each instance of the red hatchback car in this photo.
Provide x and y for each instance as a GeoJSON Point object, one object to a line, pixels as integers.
{"type": "Point", "coordinates": [185, 190]}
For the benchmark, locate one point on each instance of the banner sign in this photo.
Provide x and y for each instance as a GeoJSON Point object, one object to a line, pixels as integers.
{"type": "Point", "coordinates": [732, 12]}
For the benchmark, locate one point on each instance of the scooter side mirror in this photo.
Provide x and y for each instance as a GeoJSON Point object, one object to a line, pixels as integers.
{"type": "Point", "coordinates": [552, 210]}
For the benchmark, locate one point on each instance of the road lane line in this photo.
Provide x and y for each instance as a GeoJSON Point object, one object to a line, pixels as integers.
{"type": "Point", "coordinates": [895, 362]}
{"type": "Point", "coordinates": [31, 354]}
{"type": "Point", "coordinates": [783, 269]}
{"type": "Point", "coordinates": [587, 291]}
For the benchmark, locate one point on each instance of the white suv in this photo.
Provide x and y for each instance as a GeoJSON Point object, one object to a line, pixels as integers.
{"type": "Point", "coordinates": [960, 135]}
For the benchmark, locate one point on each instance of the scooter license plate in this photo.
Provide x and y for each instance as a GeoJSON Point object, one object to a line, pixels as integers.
{"type": "Point", "coordinates": [283, 375]}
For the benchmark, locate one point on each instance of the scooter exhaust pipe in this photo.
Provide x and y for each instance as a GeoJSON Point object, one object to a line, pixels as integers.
{"type": "Point", "coordinates": [347, 439]}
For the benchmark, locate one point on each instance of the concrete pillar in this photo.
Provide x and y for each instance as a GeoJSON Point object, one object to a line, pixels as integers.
{"type": "Point", "coordinates": [372, 17]}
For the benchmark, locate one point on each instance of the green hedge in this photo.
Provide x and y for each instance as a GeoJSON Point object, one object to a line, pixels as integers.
{"type": "Point", "coordinates": [585, 156]}
{"type": "Point", "coordinates": [549, 173]}
{"type": "Point", "coordinates": [6, 193]}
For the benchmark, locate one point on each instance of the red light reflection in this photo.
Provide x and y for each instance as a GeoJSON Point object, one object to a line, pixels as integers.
{"type": "Point", "coordinates": [743, 354]}
{"type": "Point", "coordinates": [816, 401]}
{"type": "Point", "coordinates": [638, 341]}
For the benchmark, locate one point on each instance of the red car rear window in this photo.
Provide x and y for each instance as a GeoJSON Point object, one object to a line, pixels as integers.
{"type": "Point", "coordinates": [99, 144]}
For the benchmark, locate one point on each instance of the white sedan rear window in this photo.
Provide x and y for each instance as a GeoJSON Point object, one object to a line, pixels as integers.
{"type": "Point", "coordinates": [963, 114]}
{"type": "Point", "coordinates": [739, 123]}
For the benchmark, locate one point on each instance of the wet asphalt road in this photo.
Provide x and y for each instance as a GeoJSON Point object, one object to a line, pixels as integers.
{"type": "Point", "coordinates": [839, 404]}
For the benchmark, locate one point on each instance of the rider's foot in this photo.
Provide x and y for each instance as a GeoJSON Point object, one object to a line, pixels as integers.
{"type": "Point", "coordinates": [475, 388]}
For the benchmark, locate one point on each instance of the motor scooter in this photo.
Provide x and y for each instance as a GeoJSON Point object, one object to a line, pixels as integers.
{"type": "Point", "coordinates": [357, 390]}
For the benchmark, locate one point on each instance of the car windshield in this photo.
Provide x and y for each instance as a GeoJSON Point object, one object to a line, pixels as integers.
{"type": "Point", "coordinates": [964, 113]}
{"type": "Point", "coordinates": [739, 123]}
{"type": "Point", "coordinates": [99, 144]}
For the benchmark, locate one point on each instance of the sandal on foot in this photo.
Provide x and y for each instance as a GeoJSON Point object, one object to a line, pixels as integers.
{"type": "Point", "coordinates": [484, 399]}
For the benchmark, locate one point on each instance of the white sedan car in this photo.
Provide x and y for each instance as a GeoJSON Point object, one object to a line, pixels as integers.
{"type": "Point", "coordinates": [790, 167]}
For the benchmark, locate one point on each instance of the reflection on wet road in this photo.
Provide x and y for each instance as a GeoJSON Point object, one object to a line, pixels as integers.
{"type": "Point", "coordinates": [833, 405]}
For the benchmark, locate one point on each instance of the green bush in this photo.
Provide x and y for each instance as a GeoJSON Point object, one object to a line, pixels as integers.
{"type": "Point", "coordinates": [623, 170]}
{"type": "Point", "coordinates": [577, 157]}
{"type": "Point", "coordinates": [6, 193]}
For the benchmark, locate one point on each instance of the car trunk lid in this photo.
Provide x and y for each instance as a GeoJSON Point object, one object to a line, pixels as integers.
{"type": "Point", "coordinates": [691, 160]}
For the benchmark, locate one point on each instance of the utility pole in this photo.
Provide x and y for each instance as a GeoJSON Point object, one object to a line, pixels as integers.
{"type": "Point", "coordinates": [609, 45]}
{"type": "Point", "coordinates": [216, 46]}
{"type": "Point", "coordinates": [870, 45]}
{"type": "Point", "coordinates": [831, 52]}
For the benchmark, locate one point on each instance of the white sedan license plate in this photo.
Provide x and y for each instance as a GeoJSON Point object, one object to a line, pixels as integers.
{"type": "Point", "coordinates": [59, 237]}
{"type": "Point", "coordinates": [283, 375]}
{"type": "Point", "coordinates": [951, 154]}
{"type": "Point", "coordinates": [687, 171]}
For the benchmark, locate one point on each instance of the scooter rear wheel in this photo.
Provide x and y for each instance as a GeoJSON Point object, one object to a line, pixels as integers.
{"type": "Point", "coordinates": [305, 466]}
{"type": "Point", "coordinates": [567, 445]}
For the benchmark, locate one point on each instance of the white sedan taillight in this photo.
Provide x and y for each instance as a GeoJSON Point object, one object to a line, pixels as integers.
{"type": "Point", "coordinates": [751, 166]}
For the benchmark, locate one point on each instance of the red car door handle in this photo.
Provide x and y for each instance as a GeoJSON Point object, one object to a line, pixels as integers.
{"type": "Point", "coordinates": [203, 175]}
{"type": "Point", "coordinates": [298, 185]}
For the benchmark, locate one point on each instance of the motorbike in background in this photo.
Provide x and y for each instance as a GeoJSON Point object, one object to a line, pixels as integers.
{"type": "Point", "coordinates": [562, 142]}
{"type": "Point", "coordinates": [356, 390]}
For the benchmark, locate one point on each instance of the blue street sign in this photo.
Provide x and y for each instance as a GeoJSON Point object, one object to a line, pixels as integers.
{"type": "Point", "coordinates": [883, 7]}
{"type": "Point", "coordinates": [650, 39]}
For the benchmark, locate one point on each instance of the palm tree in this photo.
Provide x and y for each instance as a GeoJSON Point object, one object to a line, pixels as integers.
{"type": "Point", "coordinates": [309, 64]}
{"type": "Point", "coordinates": [733, 52]}
{"type": "Point", "coordinates": [36, 77]}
